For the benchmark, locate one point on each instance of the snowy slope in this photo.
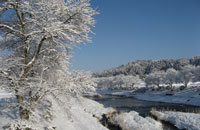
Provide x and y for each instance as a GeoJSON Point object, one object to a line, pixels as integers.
{"type": "Point", "coordinates": [79, 116]}
{"type": "Point", "coordinates": [68, 113]}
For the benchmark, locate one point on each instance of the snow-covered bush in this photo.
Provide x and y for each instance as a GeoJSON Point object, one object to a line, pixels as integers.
{"type": "Point", "coordinates": [118, 82]}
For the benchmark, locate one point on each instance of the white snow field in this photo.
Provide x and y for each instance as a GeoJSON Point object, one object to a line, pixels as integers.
{"type": "Point", "coordinates": [181, 120]}
{"type": "Point", "coordinates": [132, 121]}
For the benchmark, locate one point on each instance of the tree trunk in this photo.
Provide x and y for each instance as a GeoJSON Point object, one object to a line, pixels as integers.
{"type": "Point", "coordinates": [23, 113]}
{"type": "Point", "coordinates": [171, 85]}
{"type": "Point", "coordinates": [186, 84]}
{"type": "Point", "coordinates": [30, 64]}
{"type": "Point", "coordinates": [158, 85]}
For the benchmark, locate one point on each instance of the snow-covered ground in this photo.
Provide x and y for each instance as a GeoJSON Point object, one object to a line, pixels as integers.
{"type": "Point", "coordinates": [181, 120]}
{"type": "Point", "coordinates": [77, 113]}
{"type": "Point", "coordinates": [189, 96]}
{"type": "Point", "coordinates": [69, 113]}
{"type": "Point", "coordinates": [132, 121]}
{"type": "Point", "coordinates": [82, 114]}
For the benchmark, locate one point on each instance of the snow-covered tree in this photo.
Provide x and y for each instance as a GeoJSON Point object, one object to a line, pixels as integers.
{"type": "Point", "coordinates": [131, 82]}
{"type": "Point", "coordinates": [36, 36]}
{"type": "Point", "coordinates": [155, 78]}
{"type": "Point", "coordinates": [186, 74]}
{"type": "Point", "coordinates": [118, 82]}
{"type": "Point", "coordinates": [171, 77]}
{"type": "Point", "coordinates": [196, 74]}
{"type": "Point", "coordinates": [80, 82]}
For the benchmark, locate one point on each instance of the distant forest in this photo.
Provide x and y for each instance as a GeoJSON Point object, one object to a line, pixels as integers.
{"type": "Point", "coordinates": [145, 67]}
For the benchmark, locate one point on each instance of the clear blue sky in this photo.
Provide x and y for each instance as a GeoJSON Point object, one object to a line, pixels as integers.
{"type": "Point", "coordinates": [128, 30]}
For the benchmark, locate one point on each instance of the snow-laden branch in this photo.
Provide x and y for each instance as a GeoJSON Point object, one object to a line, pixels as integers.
{"type": "Point", "coordinates": [3, 26]}
{"type": "Point", "coordinates": [29, 65]}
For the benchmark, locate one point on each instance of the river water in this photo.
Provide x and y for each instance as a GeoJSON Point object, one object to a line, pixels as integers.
{"type": "Point", "coordinates": [126, 104]}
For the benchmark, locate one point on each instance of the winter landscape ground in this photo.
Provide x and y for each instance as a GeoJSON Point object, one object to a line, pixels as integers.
{"type": "Point", "coordinates": [72, 115]}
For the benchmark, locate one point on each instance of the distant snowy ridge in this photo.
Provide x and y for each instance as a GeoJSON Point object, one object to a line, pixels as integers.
{"type": "Point", "coordinates": [145, 67]}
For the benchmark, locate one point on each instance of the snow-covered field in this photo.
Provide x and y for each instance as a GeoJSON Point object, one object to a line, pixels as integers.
{"type": "Point", "coordinates": [181, 120]}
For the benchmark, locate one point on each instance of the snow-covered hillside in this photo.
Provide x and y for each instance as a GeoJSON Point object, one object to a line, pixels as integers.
{"type": "Point", "coordinates": [70, 113]}
{"type": "Point", "coordinates": [145, 67]}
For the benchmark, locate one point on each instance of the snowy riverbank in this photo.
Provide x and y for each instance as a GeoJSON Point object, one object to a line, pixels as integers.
{"type": "Point", "coordinates": [133, 121]}
{"type": "Point", "coordinates": [181, 120]}
{"type": "Point", "coordinates": [189, 96]}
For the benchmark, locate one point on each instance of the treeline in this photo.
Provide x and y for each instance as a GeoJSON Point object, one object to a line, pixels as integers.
{"type": "Point", "coordinates": [187, 74]}
{"type": "Point", "coordinates": [118, 82]}
{"type": "Point", "coordinates": [146, 67]}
